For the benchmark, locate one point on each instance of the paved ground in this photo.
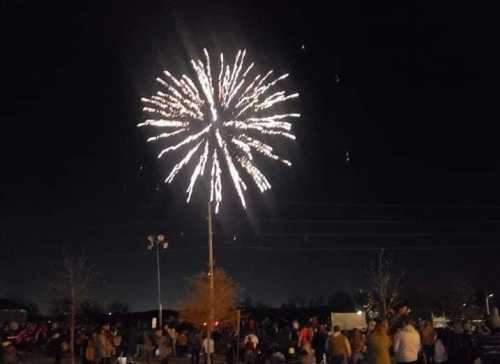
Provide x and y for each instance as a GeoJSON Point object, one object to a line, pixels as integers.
{"type": "Point", "coordinates": [64, 361]}
{"type": "Point", "coordinates": [42, 359]}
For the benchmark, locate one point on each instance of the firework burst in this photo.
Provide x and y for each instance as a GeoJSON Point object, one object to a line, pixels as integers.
{"type": "Point", "coordinates": [220, 123]}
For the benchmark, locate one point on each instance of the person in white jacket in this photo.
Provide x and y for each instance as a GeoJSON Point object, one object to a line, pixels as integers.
{"type": "Point", "coordinates": [406, 344]}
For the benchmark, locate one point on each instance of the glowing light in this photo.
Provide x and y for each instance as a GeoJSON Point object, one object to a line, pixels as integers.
{"type": "Point", "coordinates": [221, 122]}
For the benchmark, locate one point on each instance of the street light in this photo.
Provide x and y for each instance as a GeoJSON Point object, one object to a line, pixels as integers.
{"type": "Point", "coordinates": [159, 242]}
{"type": "Point", "coordinates": [488, 296]}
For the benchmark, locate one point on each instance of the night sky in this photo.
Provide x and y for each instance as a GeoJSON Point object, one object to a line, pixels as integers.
{"type": "Point", "coordinates": [406, 89]}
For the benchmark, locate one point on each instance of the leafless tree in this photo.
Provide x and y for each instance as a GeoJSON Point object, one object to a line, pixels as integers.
{"type": "Point", "coordinates": [461, 301]}
{"type": "Point", "coordinates": [71, 286]}
{"type": "Point", "coordinates": [385, 284]}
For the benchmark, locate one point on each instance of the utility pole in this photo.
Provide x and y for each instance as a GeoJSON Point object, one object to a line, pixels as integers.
{"type": "Point", "coordinates": [211, 283]}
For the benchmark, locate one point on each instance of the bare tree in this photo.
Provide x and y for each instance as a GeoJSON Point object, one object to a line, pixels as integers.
{"type": "Point", "coordinates": [71, 286]}
{"type": "Point", "coordinates": [385, 284]}
{"type": "Point", "coordinates": [196, 307]}
{"type": "Point", "coordinates": [461, 301]}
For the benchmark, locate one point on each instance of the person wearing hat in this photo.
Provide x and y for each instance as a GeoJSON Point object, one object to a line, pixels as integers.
{"type": "Point", "coordinates": [292, 356]}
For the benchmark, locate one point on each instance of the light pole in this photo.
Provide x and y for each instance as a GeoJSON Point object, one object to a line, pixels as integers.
{"type": "Point", "coordinates": [487, 298]}
{"type": "Point", "coordinates": [159, 242]}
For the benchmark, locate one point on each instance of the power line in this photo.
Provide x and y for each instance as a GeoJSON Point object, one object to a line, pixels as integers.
{"type": "Point", "coordinates": [379, 221]}
{"type": "Point", "coordinates": [390, 205]}
{"type": "Point", "coordinates": [375, 234]}
{"type": "Point", "coordinates": [291, 249]}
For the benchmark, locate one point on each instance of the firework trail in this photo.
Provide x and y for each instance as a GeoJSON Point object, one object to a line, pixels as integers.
{"type": "Point", "coordinates": [220, 123]}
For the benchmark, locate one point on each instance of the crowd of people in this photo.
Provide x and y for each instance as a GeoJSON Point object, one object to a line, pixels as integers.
{"type": "Point", "coordinates": [266, 341]}
{"type": "Point", "coordinates": [379, 343]}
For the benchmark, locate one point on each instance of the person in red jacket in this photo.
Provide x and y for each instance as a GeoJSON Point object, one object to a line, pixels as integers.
{"type": "Point", "coordinates": [306, 336]}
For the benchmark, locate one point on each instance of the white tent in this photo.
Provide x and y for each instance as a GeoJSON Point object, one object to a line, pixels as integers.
{"type": "Point", "coordinates": [349, 320]}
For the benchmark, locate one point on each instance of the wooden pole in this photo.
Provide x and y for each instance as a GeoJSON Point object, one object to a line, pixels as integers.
{"type": "Point", "coordinates": [211, 282]}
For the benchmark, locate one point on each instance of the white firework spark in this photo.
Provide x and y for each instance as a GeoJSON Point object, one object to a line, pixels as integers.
{"type": "Point", "coordinates": [223, 118]}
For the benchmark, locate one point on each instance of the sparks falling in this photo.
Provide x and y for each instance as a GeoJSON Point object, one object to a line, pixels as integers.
{"type": "Point", "coordinates": [220, 123]}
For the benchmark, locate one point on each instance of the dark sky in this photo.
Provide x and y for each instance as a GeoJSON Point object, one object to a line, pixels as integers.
{"type": "Point", "coordinates": [407, 88]}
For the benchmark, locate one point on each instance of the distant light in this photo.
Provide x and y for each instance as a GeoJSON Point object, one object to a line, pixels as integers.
{"type": "Point", "coordinates": [141, 168]}
{"type": "Point", "coordinates": [110, 313]}
{"type": "Point", "coordinates": [337, 78]}
{"type": "Point", "coordinates": [359, 313]}
{"type": "Point", "coordinates": [491, 295]}
{"type": "Point", "coordinates": [303, 47]}
{"type": "Point", "coordinates": [235, 237]}
{"type": "Point", "coordinates": [465, 304]}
